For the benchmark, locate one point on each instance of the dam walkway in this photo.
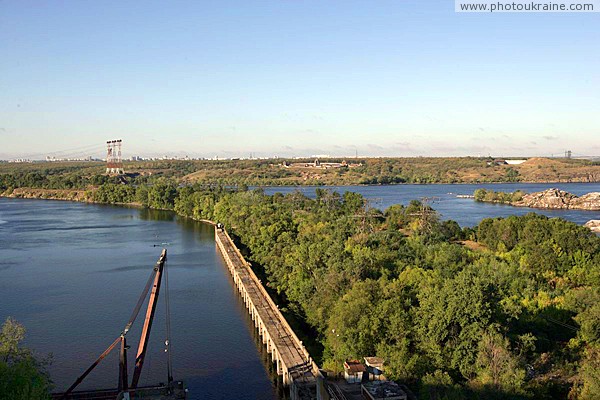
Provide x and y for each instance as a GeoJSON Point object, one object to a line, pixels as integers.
{"type": "Point", "coordinates": [294, 364]}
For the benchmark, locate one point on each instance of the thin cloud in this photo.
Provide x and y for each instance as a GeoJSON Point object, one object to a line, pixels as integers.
{"type": "Point", "coordinates": [375, 146]}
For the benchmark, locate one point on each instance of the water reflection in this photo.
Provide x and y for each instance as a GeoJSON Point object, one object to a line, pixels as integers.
{"type": "Point", "coordinates": [147, 214]}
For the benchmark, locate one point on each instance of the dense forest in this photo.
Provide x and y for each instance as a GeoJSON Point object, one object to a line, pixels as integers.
{"type": "Point", "coordinates": [507, 309]}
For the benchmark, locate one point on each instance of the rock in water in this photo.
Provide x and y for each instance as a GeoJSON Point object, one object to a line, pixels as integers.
{"type": "Point", "coordinates": [559, 199]}
{"type": "Point", "coordinates": [594, 225]}
{"type": "Point", "coordinates": [590, 201]}
{"type": "Point", "coordinates": [550, 198]}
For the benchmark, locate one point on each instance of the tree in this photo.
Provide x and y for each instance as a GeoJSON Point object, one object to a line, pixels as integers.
{"type": "Point", "coordinates": [22, 377]}
{"type": "Point", "coordinates": [497, 366]}
{"type": "Point", "coordinates": [10, 337]}
{"type": "Point", "coordinates": [590, 374]}
{"type": "Point", "coordinates": [439, 386]}
{"type": "Point", "coordinates": [452, 317]}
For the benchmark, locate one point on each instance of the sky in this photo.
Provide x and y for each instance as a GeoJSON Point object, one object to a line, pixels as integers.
{"type": "Point", "coordinates": [295, 78]}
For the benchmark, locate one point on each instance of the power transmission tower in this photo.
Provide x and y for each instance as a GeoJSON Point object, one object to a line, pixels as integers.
{"type": "Point", "coordinates": [114, 163]}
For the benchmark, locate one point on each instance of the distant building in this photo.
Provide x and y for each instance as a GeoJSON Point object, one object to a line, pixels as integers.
{"type": "Point", "coordinates": [354, 371]}
{"type": "Point", "coordinates": [515, 162]}
{"type": "Point", "coordinates": [383, 390]}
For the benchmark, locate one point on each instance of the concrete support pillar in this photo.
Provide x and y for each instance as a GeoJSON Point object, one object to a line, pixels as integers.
{"type": "Point", "coordinates": [268, 344]}
{"type": "Point", "coordinates": [279, 370]}
{"type": "Point", "coordinates": [286, 376]}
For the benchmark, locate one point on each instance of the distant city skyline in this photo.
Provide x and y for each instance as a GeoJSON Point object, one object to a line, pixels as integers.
{"type": "Point", "coordinates": [286, 78]}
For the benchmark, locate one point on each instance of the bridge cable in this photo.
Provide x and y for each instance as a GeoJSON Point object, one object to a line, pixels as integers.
{"type": "Point", "coordinates": [168, 321]}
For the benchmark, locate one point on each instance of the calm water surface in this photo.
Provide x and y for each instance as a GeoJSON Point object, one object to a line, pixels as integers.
{"type": "Point", "coordinates": [466, 212]}
{"type": "Point", "coordinates": [72, 273]}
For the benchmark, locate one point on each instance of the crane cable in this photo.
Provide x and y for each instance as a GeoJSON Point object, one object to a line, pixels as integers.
{"type": "Point", "coordinates": [140, 302]}
{"type": "Point", "coordinates": [168, 322]}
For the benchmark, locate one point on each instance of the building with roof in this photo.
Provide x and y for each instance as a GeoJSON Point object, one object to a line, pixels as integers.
{"type": "Point", "coordinates": [354, 371]}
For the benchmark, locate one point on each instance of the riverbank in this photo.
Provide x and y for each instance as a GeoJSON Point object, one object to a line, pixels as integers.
{"type": "Point", "coordinates": [188, 201]}
{"type": "Point", "coordinates": [83, 196]}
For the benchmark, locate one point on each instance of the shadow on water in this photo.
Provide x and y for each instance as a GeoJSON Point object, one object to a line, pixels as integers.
{"type": "Point", "coordinates": [202, 231]}
{"type": "Point", "coordinates": [147, 214]}
{"type": "Point", "coordinates": [277, 381]}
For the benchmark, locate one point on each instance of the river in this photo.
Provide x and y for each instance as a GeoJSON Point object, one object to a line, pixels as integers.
{"type": "Point", "coordinates": [467, 212]}
{"type": "Point", "coordinates": [72, 273]}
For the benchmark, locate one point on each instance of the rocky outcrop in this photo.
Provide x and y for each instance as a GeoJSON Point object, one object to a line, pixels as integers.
{"type": "Point", "coordinates": [559, 199]}
{"type": "Point", "coordinates": [50, 194]}
{"type": "Point", "coordinates": [590, 201]}
{"type": "Point", "coordinates": [594, 225]}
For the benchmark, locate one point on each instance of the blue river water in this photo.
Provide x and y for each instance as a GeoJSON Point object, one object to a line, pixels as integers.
{"type": "Point", "coordinates": [465, 211]}
{"type": "Point", "coordinates": [72, 273]}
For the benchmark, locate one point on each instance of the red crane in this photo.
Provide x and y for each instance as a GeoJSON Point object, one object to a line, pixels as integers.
{"type": "Point", "coordinates": [126, 390]}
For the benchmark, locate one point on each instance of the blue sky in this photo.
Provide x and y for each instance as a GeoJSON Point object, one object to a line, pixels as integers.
{"type": "Point", "coordinates": [292, 77]}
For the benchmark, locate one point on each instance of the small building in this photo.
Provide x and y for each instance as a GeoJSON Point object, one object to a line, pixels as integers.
{"type": "Point", "coordinates": [382, 390]}
{"type": "Point", "coordinates": [374, 368]}
{"type": "Point", "coordinates": [515, 162]}
{"type": "Point", "coordinates": [354, 371]}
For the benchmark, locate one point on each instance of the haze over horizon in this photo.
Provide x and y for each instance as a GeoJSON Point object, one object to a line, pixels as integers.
{"type": "Point", "coordinates": [287, 78]}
